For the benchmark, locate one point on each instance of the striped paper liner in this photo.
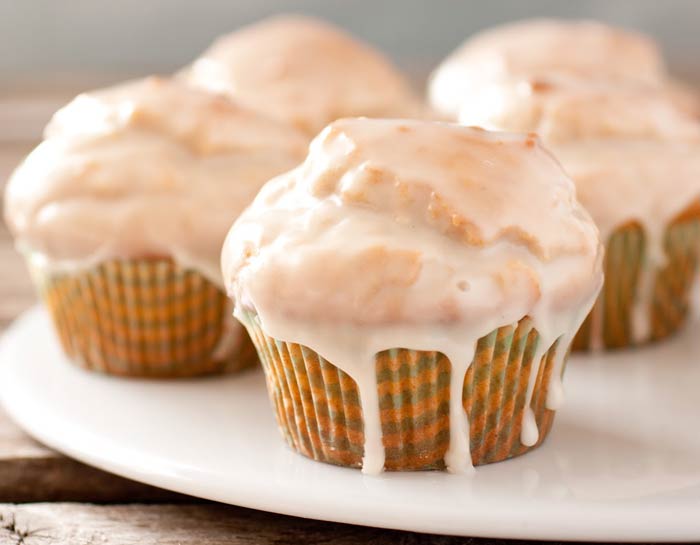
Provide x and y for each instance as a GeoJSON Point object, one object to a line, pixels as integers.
{"type": "Point", "coordinates": [670, 302]}
{"type": "Point", "coordinates": [318, 407]}
{"type": "Point", "coordinates": [144, 318]}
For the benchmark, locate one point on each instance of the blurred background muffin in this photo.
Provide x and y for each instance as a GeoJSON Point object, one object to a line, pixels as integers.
{"type": "Point", "coordinates": [540, 49]}
{"type": "Point", "coordinates": [410, 313]}
{"type": "Point", "coordinates": [305, 72]}
{"type": "Point", "coordinates": [599, 98]}
{"type": "Point", "coordinates": [121, 212]}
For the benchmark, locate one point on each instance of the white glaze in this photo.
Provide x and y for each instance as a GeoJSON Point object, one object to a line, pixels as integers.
{"type": "Point", "coordinates": [305, 72]}
{"type": "Point", "coordinates": [622, 144]}
{"type": "Point", "coordinates": [399, 234]}
{"type": "Point", "coordinates": [232, 337]}
{"type": "Point", "coordinates": [544, 48]}
{"type": "Point", "coordinates": [641, 324]}
{"type": "Point", "coordinates": [596, 336]}
{"type": "Point", "coordinates": [148, 168]}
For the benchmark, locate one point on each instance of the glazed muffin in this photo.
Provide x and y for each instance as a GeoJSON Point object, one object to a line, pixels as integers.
{"type": "Point", "coordinates": [121, 213]}
{"type": "Point", "coordinates": [412, 289]}
{"type": "Point", "coordinates": [305, 72]}
{"type": "Point", "coordinates": [542, 49]}
{"type": "Point", "coordinates": [635, 159]}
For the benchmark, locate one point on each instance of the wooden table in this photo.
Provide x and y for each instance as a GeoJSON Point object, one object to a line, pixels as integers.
{"type": "Point", "coordinates": [46, 498]}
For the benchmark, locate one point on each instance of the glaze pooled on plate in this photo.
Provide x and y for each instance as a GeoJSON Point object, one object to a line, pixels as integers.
{"type": "Point", "coordinates": [418, 235]}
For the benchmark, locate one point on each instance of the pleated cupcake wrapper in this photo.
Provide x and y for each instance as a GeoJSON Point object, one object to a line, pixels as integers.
{"type": "Point", "coordinates": [624, 262]}
{"type": "Point", "coordinates": [318, 406]}
{"type": "Point", "coordinates": [146, 317]}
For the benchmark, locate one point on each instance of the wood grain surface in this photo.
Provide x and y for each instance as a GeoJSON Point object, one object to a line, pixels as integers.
{"type": "Point", "coordinates": [213, 524]}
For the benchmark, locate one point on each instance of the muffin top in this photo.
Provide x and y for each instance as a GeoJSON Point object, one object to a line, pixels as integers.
{"type": "Point", "coordinates": [622, 144]}
{"type": "Point", "coordinates": [305, 72]}
{"type": "Point", "coordinates": [544, 47]}
{"type": "Point", "coordinates": [395, 221]}
{"type": "Point", "coordinates": [148, 168]}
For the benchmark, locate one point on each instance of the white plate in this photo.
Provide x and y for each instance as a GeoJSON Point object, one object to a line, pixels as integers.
{"type": "Point", "coordinates": [622, 463]}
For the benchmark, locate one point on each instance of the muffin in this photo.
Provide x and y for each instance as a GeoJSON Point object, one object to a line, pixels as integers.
{"type": "Point", "coordinates": [121, 213]}
{"type": "Point", "coordinates": [412, 290]}
{"type": "Point", "coordinates": [635, 159]}
{"type": "Point", "coordinates": [305, 72]}
{"type": "Point", "coordinates": [549, 48]}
